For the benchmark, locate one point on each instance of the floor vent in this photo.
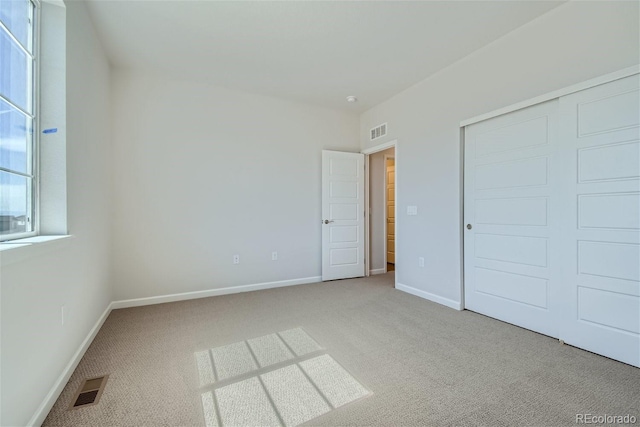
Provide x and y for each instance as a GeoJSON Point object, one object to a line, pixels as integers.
{"type": "Point", "coordinates": [89, 392]}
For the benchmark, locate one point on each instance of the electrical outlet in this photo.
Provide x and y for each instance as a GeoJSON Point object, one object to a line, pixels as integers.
{"type": "Point", "coordinates": [421, 262]}
{"type": "Point", "coordinates": [236, 259]}
{"type": "Point", "coordinates": [62, 315]}
{"type": "Point", "coordinates": [274, 256]}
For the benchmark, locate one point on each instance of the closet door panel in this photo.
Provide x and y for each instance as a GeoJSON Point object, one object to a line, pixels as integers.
{"type": "Point", "coordinates": [600, 140]}
{"type": "Point", "coordinates": [510, 207]}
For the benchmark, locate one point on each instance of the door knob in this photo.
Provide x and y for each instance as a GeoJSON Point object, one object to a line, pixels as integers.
{"type": "Point", "coordinates": [326, 221]}
{"type": "Point", "coordinates": [469, 227]}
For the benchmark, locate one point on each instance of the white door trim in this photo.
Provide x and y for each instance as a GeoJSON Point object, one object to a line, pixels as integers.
{"type": "Point", "coordinates": [381, 147]}
{"type": "Point", "coordinates": [367, 241]}
{"type": "Point", "coordinates": [367, 211]}
{"type": "Point", "coordinates": [620, 74]}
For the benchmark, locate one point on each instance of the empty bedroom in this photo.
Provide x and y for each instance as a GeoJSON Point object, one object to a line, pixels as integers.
{"type": "Point", "coordinates": [336, 213]}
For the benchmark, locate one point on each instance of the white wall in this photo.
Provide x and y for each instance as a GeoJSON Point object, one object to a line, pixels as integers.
{"type": "Point", "coordinates": [575, 42]}
{"type": "Point", "coordinates": [377, 203]}
{"type": "Point", "coordinates": [203, 173]}
{"type": "Point", "coordinates": [38, 280]}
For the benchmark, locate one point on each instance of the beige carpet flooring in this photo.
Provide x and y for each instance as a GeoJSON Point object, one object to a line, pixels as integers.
{"type": "Point", "coordinates": [425, 364]}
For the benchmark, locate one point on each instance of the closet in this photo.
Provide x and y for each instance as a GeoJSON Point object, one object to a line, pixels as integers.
{"type": "Point", "coordinates": [552, 218]}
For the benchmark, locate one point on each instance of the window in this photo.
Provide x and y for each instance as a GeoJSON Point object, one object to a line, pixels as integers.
{"type": "Point", "coordinates": [18, 120]}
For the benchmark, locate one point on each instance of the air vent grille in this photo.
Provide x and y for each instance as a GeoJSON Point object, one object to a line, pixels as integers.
{"type": "Point", "coordinates": [89, 392]}
{"type": "Point", "coordinates": [378, 131]}
{"type": "Point", "coordinates": [86, 398]}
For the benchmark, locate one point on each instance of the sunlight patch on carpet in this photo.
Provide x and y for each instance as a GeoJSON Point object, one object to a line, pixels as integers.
{"type": "Point", "coordinates": [270, 350]}
{"type": "Point", "coordinates": [333, 380]}
{"type": "Point", "coordinates": [209, 408]}
{"type": "Point", "coordinates": [245, 403]}
{"type": "Point", "coordinates": [295, 398]}
{"type": "Point", "coordinates": [273, 380]}
{"type": "Point", "coordinates": [299, 341]}
{"type": "Point", "coordinates": [240, 358]}
{"type": "Point", "coordinates": [232, 360]}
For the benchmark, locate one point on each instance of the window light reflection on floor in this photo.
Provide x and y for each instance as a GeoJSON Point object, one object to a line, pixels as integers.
{"type": "Point", "coordinates": [284, 378]}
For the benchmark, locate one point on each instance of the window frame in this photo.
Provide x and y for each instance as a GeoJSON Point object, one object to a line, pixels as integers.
{"type": "Point", "coordinates": [33, 149]}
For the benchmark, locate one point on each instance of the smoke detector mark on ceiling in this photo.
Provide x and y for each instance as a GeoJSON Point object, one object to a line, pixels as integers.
{"type": "Point", "coordinates": [378, 132]}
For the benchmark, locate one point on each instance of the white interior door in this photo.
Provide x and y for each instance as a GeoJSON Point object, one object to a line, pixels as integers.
{"type": "Point", "coordinates": [510, 218]}
{"type": "Point", "coordinates": [601, 242]}
{"type": "Point", "coordinates": [343, 208]}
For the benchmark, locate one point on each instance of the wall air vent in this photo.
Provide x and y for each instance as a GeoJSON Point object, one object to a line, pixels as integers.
{"type": "Point", "coordinates": [89, 392]}
{"type": "Point", "coordinates": [378, 132]}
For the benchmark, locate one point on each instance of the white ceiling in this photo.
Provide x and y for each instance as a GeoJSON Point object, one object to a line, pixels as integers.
{"type": "Point", "coordinates": [311, 51]}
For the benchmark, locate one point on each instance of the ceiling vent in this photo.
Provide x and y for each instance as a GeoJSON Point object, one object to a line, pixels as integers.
{"type": "Point", "coordinates": [89, 392]}
{"type": "Point", "coordinates": [378, 132]}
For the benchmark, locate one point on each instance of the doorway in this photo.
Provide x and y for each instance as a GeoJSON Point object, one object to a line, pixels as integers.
{"type": "Point", "coordinates": [390, 204]}
{"type": "Point", "coordinates": [381, 193]}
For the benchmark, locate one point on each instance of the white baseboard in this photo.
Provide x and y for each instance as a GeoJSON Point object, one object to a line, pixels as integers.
{"type": "Point", "coordinates": [377, 271]}
{"type": "Point", "coordinates": [44, 408]}
{"type": "Point", "coordinates": [137, 302]}
{"type": "Point", "coordinates": [48, 402]}
{"type": "Point", "coordinates": [457, 305]}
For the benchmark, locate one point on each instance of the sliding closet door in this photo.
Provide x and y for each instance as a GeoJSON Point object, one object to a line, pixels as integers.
{"type": "Point", "coordinates": [600, 149]}
{"type": "Point", "coordinates": [511, 218]}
